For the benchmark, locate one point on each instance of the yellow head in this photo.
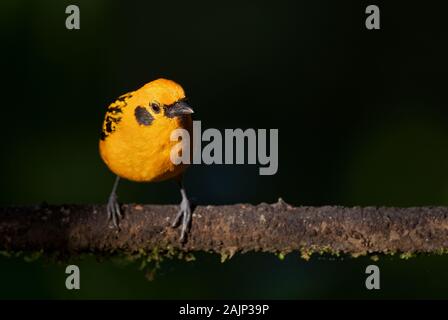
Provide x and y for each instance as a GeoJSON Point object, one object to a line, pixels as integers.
{"type": "Point", "coordinates": [164, 99]}
{"type": "Point", "coordinates": [160, 100]}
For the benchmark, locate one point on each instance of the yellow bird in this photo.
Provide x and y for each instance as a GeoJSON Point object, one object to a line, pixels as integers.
{"type": "Point", "coordinates": [135, 141]}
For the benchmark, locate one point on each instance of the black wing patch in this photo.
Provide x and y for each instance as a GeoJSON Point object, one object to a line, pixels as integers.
{"type": "Point", "coordinates": [143, 116]}
{"type": "Point", "coordinates": [113, 114]}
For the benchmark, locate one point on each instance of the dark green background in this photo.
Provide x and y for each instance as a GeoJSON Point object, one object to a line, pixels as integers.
{"type": "Point", "coordinates": [362, 118]}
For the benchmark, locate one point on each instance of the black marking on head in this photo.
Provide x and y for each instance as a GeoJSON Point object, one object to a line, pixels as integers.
{"type": "Point", "coordinates": [143, 116]}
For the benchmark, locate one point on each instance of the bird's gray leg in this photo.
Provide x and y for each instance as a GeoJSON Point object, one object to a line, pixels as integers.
{"type": "Point", "coordinates": [113, 208]}
{"type": "Point", "coordinates": [184, 213]}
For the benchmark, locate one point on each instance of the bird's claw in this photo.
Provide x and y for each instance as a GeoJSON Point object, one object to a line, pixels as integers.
{"type": "Point", "coordinates": [184, 213]}
{"type": "Point", "coordinates": [113, 210]}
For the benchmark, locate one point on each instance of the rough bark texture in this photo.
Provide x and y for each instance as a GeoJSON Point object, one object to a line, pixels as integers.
{"type": "Point", "coordinates": [277, 227]}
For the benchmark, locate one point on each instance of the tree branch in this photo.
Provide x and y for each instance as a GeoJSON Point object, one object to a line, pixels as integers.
{"type": "Point", "coordinates": [278, 228]}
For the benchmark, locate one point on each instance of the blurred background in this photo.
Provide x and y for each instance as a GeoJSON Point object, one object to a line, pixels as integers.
{"type": "Point", "coordinates": [362, 118]}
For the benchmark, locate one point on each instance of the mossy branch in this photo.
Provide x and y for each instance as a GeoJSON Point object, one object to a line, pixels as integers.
{"type": "Point", "coordinates": [278, 228]}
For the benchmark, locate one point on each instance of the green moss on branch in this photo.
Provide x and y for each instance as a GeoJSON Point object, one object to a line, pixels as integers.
{"type": "Point", "coordinates": [278, 228]}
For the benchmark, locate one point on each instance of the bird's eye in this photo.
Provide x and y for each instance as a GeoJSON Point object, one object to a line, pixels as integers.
{"type": "Point", "coordinates": [155, 107]}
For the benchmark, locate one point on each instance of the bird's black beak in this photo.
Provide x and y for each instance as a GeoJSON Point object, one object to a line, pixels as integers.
{"type": "Point", "coordinates": [178, 109]}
